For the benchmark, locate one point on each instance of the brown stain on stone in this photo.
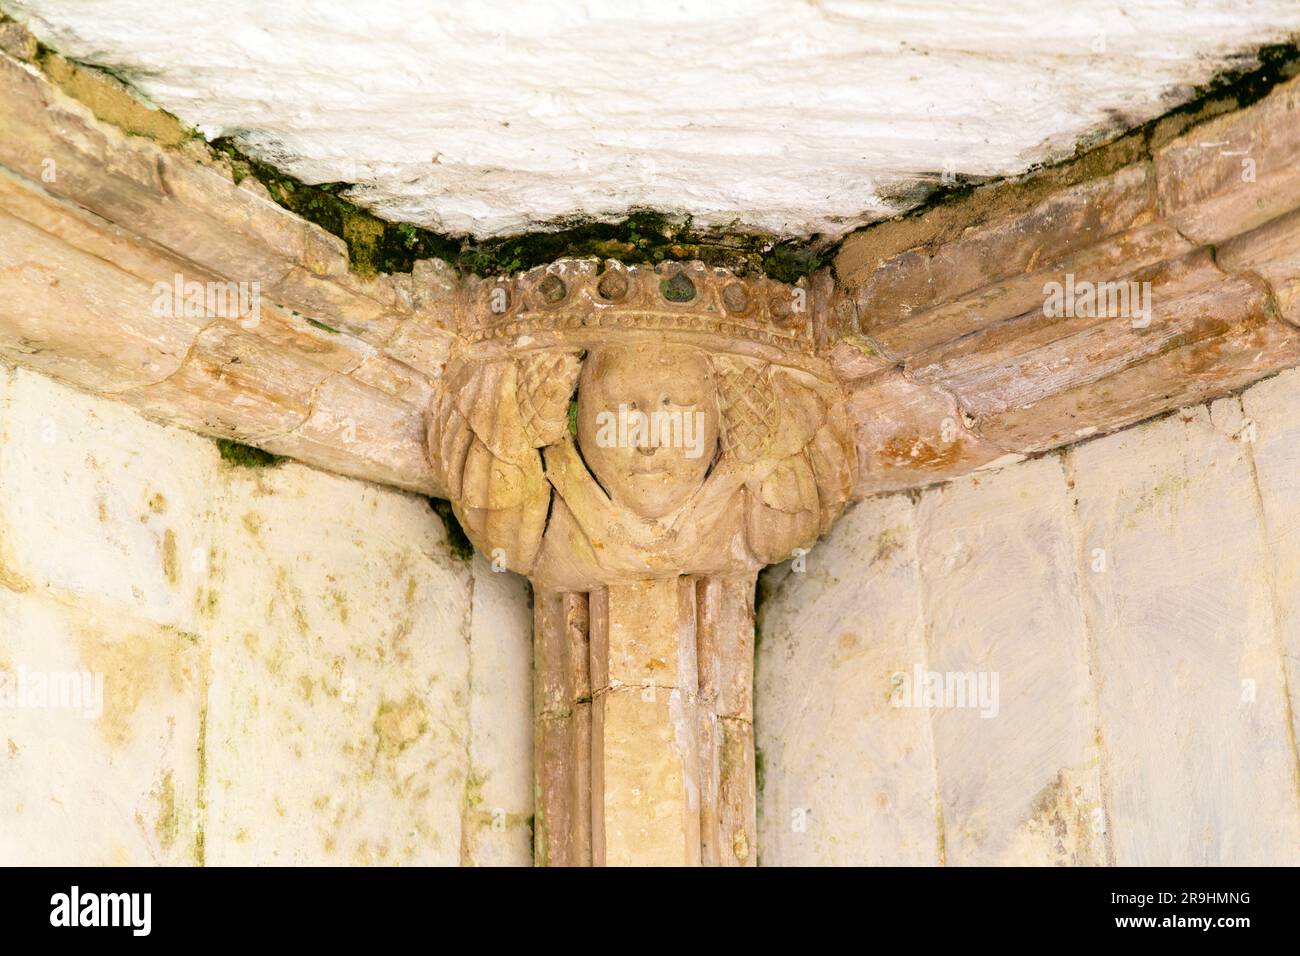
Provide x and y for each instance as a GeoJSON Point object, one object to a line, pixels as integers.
{"type": "Point", "coordinates": [112, 102]}
{"type": "Point", "coordinates": [167, 823]}
{"type": "Point", "coordinates": [10, 578]}
{"type": "Point", "coordinates": [398, 724]}
{"type": "Point", "coordinates": [740, 846]}
{"type": "Point", "coordinates": [917, 452]}
{"type": "Point", "coordinates": [287, 591]}
{"type": "Point", "coordinates": [171, 566]}
{"type": "Point", "coordinates": [888, 543]}
{"type": "Point", "coordinates": [1060, 820]}
{"type": "Point", "coordinates": [135, 665]}
{"type": "Point", "coordinates": [340, 604]}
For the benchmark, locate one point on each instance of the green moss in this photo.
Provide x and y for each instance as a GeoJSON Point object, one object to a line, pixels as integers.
{"type": "Point", "coordinates": [246, 456]}
{"type": "Point", "coordinates": [644, 237]}
{"type": "Point", "coordinates": [760, 770]}
{"type": "Point", "coordinates": [457, 540]}
{"type": "Point", "coordinates": [648, 237]}
{"type": "Point", "coordinates": [322, 326]}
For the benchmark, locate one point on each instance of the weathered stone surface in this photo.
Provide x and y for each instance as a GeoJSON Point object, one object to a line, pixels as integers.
{"type": "Point", "coordinates": [1062, 225]}
{"type": "Point", "coordinates": [958, 293]}
{"type": "Point", "coordinates": [194, 209]}
{"type": "Point", "coordinates": [234, 384]}
{"type": "Point", "coordinates": [562, 744]}
{"type": "Point", "coordinates": [645, 758]}
{"type": "Point", "coordinates": [645, 804]}
{"type": "Point", "coordinates": [1234, 173]}
{"type": "Point", "coordinates": [724, 640]}
{"type": "Point", "coordinates": [499, 791]}
{"type": "Point", "coordinates": [93, 502]}
{"type": "Point", "coordinates": [1199, 766]}
{"type": "Point", "coordinates": [83, 304]}
{"type": "Point", "coordinates": [363, 626]}
{"type": "Point", "coordinates": [1143, 582]}
{"type": "Point", "coordinates": [1220, 353]}
{"type": "Point", "coordinates": [294, 666]}
{"type": "Point", "coordinates": [1271, 433]}
{"type": "Point", "coordinates": [911, 434]}
{"type": "Point", "coordinates": [846, 778]}
{"type": "Point", "coordinates": [71, 314]}
{"type": "Point", "coordinates": [114, 782]}
{"type": "Point", "coordinates": [1271, 251]}
{"type": "Point", "coordinates": [1115, 258]}
{"type": "Point", "coordinates": [1019, 379]}
{"type": "Point", "coordinates": [359, 431]}
{"type": "Point", "coordinates": [1018, 653]}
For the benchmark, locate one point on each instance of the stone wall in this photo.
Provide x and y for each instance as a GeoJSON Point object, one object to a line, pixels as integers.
{"type": "Point", "coordinates": [296, 668]}
{"type": "Point", "coordinates": [1135, 597]}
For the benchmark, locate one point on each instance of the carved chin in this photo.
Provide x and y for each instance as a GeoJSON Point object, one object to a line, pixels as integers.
{"type": "Point", "coordinates": [653, 495]}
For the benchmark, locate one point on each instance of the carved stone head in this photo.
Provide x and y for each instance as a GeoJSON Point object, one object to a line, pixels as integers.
{"type": "Point", "coordinates": [648, 424]}
{"type": "Point", "coordinates": [708, 436]}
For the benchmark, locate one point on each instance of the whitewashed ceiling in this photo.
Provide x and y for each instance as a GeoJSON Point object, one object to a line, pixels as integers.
{"type": "Point", "coordinates": [493, 117]}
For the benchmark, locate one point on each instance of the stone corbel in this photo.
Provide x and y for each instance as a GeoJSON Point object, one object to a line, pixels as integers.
{"type": "Point", "coordinates": [639, 442]}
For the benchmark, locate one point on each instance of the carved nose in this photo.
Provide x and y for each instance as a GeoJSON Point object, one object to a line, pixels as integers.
{"type": "Point", "coordinates": [646, 449]}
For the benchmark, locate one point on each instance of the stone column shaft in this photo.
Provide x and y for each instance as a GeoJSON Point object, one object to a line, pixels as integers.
{"type": "Point", "coordinates": [644, 747]}
{"type": "Point", "coordinates": [725, 650]}
{"type": "Point", "coordinates": [562, 730]}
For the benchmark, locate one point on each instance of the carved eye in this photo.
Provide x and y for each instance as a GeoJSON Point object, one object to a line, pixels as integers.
{"type": "Point", "coordinates": [667, 400]}
{"type": "Point", "coordinates": [632, 405]}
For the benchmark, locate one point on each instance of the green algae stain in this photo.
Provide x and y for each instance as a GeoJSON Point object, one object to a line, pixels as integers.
{"type": "Point", "coordinates": [457, 541]}
{"type": "Point", "coordinates": [246, 456]}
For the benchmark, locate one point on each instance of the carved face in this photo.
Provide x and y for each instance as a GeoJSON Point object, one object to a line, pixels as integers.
{"type": "Point", "coordinates": [647, 424]}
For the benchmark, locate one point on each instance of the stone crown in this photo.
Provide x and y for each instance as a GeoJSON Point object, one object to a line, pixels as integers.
{"type": "Point", "coordinates": [575, 297]}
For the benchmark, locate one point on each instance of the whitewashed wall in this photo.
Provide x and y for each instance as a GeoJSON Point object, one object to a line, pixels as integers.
{"type": "Point", "coordinates": [1138, 598]}
{"type": "Point", "coordinates": [296, 668]}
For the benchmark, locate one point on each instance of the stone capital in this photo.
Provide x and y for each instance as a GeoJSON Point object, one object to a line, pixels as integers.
{"type": "Point", "coordinates": [602, 425]}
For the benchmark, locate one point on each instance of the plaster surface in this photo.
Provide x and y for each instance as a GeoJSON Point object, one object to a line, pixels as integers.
{"type": "Point", "coordinates": [295, 668]}
{"type": "Point", "coordinates": [795, 118]}
{"type": "Point", "coordinates": [1120, 616]}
